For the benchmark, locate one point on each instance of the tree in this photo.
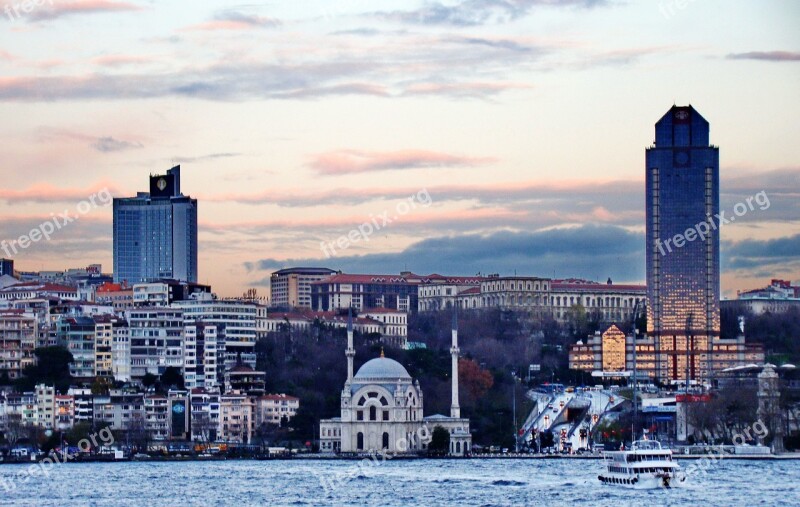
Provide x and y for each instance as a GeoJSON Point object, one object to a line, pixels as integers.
{"type": "Point", "coordinates": [475, 380]}
{"type": "Point", "coordinates": [171, 379]}
{"type": "Point", "coordinates": [51, 368]}
{"type": "Point", "coordinates": [203, 428]}
{"type": "Point", "coordinates": [440, 442]}
{"type": "Point", "coordinates": [149, 380]}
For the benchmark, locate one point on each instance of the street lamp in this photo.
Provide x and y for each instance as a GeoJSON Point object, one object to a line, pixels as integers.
{"type": "Point", "coordinates": [514, 408]}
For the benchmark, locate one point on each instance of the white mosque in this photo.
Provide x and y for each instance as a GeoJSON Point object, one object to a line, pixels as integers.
{"type": "Point", "coordinates": [382, 410]}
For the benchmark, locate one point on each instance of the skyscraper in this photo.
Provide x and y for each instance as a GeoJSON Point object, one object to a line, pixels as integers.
{"type": "Point", "coordinates": [683, 244]}
{"type": "Point", "coordinates": [155, 233]}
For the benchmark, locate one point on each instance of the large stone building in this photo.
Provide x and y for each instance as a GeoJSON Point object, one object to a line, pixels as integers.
{"type": "Point", "coordinates": [778, 297]}
{"type": "Point", "coordinates": [291, 288]}
{"type": "Point", "coordinates": [382, 410]}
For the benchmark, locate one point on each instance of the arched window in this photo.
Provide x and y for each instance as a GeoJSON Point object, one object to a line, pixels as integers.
{"type": "Point", "coordinates": [373, 413]}
{"type": "Point", "coordinates": [458, 447]}
{"type": "Point", "coordinates": [385, 440]}
{"type": "Point", "coordinates": [360, 442]}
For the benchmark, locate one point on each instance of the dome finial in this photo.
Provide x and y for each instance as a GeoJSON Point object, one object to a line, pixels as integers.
{"type": "Point", "coordinates": [382, 354]}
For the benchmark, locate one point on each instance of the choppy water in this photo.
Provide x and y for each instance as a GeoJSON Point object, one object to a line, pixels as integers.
{"type": "Point", "coordinates": [553, 483]}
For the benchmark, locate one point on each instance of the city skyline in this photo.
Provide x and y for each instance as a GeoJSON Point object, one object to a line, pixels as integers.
{"type": "Point", "coordinates": [525, 128]}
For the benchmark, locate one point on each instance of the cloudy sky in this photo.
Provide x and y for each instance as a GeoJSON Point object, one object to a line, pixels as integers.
{"type": "Point", "coordinates": [495, 135]}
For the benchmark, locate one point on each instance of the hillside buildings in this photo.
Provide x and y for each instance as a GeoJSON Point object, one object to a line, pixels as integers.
{"type": "Point", "coordinates": [778, 297]}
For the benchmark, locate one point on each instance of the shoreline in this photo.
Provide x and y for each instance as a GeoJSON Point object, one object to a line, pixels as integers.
{"type": "Point", "coordinates": [319, 457]}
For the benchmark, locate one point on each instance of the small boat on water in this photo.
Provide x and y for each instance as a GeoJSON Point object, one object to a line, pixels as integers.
{"type": "Point", "coordinates": [645, 466]}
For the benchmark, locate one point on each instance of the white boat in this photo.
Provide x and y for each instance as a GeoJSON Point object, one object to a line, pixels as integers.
{"type": "Point", "coordinates": [645, 466]}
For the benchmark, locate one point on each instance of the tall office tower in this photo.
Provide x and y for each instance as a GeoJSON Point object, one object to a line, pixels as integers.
{"type": "Point", "coordinates": [683, 245]}
{"type": "Point", "coordinates": [155, 233]}
{"type": "Point", "coordinates": [6, 267]}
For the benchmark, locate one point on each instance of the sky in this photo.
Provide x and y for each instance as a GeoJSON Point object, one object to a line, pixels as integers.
{"type": "Point", "coordinates": [457, 137]}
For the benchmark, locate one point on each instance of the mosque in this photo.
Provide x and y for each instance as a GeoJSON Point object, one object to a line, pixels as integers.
{"type": "Point", "coordinates": [382, 409]}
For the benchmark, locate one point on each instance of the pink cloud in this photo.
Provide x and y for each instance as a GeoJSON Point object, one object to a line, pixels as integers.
{"type": "Point", "coordinates": [770, 56]}
{"type": "Point", "coordinates": [46, 193]}
{"type": "Point", "coordinates": [477, 89]}
{"type": "Point", "coordinates": [119, 60]}
{"type": "Point", "coordinates": [61, 9]}
{"type": "Point", "coordinates": [357, 161]}
{"type": "Point", "coordinates": [233, 20]}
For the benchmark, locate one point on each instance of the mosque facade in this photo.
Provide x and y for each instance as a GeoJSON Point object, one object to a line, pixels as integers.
{"type": "Point", "coordinates": [382, 410]}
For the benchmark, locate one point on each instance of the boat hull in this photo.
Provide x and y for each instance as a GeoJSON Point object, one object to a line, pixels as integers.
{"type": "Point", "coordinates": [643, 481]}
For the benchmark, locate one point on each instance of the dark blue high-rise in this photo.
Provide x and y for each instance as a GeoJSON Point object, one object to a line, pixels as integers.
{"type": "Point", "coordinates": [155, 233]}
{"type": "Point", "coordinates": [683, 244]}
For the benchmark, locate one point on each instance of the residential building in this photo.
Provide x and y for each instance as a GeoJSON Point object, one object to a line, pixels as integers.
{"type": "Point", "coordinates": [205, 410]}
{"type": "Point", "coordinates": [204, 354]}
{"type": "Point", "coordinates": [18, 332]}
{"type": "Point", "coordinates": [121, 409]}
{"type": "Point", "coordinates": [45, 406]}
{"type": "Point", "coordinates": [291, 288]}
{"type": "Point", "coordinates": [235, 322]}
{"type": "Point", "coordinates": [83, 402]}
{"type": "Point", "coordinates": [118, 295]}
{"type": "Point", "coordinates": [64, 412]}
{"type": "Point", "coordinates": [165, 292]}
{"type": "Point", "coordinates": [77, 334]}
{"type": "Point", "coordinates": [22, 407]}
{"type": "Point", "coordinates": [275, 409]}
{"type": "Point", "coordinates": [244, 379]}
{"type": "Point", "coordinates": [157, 416]}
{"type": "Point", "coordinates": [38, 290]}
{"type": "Point", "coordinates": [155, 233]}
{"type": "Point", "coordinates": [236, 419]}
{"type": "Point", "coordinates": [121, 351]}
{"type": "Point", "coordinates": [156, 340]}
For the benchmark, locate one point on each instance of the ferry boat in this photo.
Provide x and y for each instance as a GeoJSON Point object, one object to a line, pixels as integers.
{"type": "Point", "coordinates": [645, 466]}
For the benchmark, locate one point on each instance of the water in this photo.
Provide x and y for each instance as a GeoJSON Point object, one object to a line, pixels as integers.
{"type": "Point", "coordinates": [555, 483]}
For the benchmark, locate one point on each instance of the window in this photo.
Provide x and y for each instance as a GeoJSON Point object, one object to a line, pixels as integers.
{"type": "Point", "coordinates": [360, 442]}
{"type": "Point", "coordinates": [373, 414]}
{"type": "Point", "coordinates": [385, 440]}
{"type": "Point", "coordinates": [360, 415]}
{"type": "Point", "coordinates": [385, 415]}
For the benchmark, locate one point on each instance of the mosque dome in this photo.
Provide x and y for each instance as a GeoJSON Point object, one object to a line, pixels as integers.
{"type": "Point", "coordinates": [384, 369]}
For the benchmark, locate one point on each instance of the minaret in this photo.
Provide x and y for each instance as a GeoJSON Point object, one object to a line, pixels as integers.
{"type": "Point", "coordinates": [350, 352]}
{"type": "Point", "coordinates": [455, 410]}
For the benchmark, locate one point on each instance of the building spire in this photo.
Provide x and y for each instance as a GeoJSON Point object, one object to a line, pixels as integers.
{"type": "Point", "coordinates": [350, 352]}
{"type": "Point", "coordinates": [455, 409]}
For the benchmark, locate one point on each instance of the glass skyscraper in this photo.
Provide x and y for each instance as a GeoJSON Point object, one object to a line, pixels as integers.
{"type": "Point", "coordinates": [683, 244]}
{"type": "Point", "coordinates": [155, 233]}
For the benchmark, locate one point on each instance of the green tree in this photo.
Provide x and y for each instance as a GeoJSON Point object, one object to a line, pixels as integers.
{"type": "Point", "coordinates": [171, 379]}
{"type": "Point", "coordinates": [149, 380]}
{"type": "Point", "coordinates": [440, 442]}
{"type": "Point", "coordinates": [51, 368]}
